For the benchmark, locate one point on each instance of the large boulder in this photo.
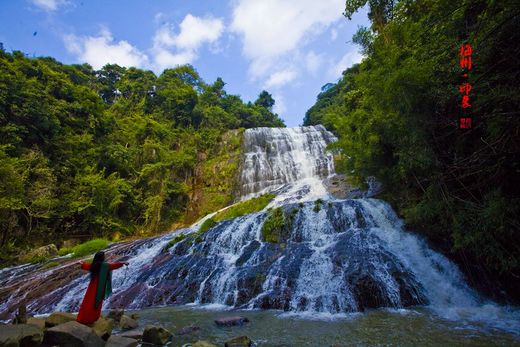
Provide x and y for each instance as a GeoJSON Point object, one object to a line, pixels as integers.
{"type": "Point", "coordinates": [58, 318]}
{"type": "Point", "coordinates": [72, 334]}
{"type": "Point", "coordinates": [127, 323]}
{"type": "Point", "coordinates": [240, 341]}
{"type": "Point", "coordinates": [156, 335]}
{"type": "Point", "coordinates": [119, 341]}
{"type": "Point", "coordinates": [23, 335]}
{"type": "Point", "coordinates": [231, 321]}
{"type": "Point", "coordinates": [43, 252]}
{"type": "Point", "coordinates": [103, 327]}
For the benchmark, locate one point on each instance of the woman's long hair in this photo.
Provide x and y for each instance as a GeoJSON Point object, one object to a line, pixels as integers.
{"type": "Point", "coordinates": [99, 258]}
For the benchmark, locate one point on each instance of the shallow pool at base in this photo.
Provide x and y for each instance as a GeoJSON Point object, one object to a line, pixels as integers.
{"type": "Point", "coordinates": [417, 327]}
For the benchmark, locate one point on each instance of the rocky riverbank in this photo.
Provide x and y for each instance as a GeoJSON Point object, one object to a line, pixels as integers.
{"type": "Point", "coordinates": [116, 329]}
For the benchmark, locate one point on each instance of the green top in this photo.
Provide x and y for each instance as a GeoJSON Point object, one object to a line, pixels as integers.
{"type": "Point", "coordinates": [104, 286]}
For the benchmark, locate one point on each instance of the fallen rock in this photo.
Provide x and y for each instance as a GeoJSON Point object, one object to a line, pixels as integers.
{"type": "Point", "coordinates": [119, 341]}
{"type": "Point", "coordinates": [72, 334]}
{"type": "Point", "coordinates": [134, 333]}
{"type": "Point", "coordinates": [156, 335]}
{"type": "Point", "coordinates": [103, 327]}
{"type": "Point", "coordinates": [116, 314]}
{"type": "Point", "coordinates": [23, 335]}
{"type": "Point", "coordinates": [43, 252]}
{"type": "Point", "coordinates": [134, 316]}
{"type": "Point", "coordinates": [127, 323]}
{"type": "Point", "coordinates": [231, 321]}
{"type": "Point", "coordinates": [188, 330]}
{"type": "Point", "coordinates": [58, 318]}
{"type": "Point", "coordinates": [240, 341]}
{"type": "Point", "coordinates": [203, 344]}
{"type": "Point", "coordinates": [37, 322]}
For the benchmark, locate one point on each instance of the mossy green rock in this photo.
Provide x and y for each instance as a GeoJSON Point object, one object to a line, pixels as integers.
{"type": "Point", "coordinates": [240, 341]}
{"type": "Point", "coordinates": [58, 318]}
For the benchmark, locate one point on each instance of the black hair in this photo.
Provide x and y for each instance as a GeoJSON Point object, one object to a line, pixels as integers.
{"type": "Point", "coordinates": [99, 258]}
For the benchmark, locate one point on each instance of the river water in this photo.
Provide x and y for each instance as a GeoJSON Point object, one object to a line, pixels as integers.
{"type": "Point", "coordinates": [382, 327]}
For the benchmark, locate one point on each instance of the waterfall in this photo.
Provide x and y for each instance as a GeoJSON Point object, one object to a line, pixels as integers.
{"type": "Point", "coordinates": [291, 162]}
{"type": "Point", "coordinates": [331, 256]}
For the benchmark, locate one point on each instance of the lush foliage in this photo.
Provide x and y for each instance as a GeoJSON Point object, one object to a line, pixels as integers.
{"type": "Point", "coordinates": [277, 225]}
{"type": "Point", "coordinates": [89, 247]}
{"type": "Point", "coordinates": [87, 153]}
{"type": "Point", "coordinates": [396, 115]}
{"type": "Point", "coordinates": [245, 207]}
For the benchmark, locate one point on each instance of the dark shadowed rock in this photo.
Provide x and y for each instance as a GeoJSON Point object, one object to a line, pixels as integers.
{"type": "Point", "coordinates": [116, 314]}
{"type": "Point", "coordinates": [72, 334]}
{"type": "Point", "coordinates": [119, 341]}
{"type": "Point", "coordinates": [127, 323]}
{"type": "Point", "coordinates": [188, 330]}
{"type": "Point", "coordinates": [21, 315]}
{"type": "Point", "coordinates": [240, 341]}
{"type": "Point", "coordinates": [58, 318]}
{"type": "Point", "coordinates": [23, 335]}
{"type": "Point", "coordinates": [231, 321]}
{"type": "Point", "coordinates": [156, 335]}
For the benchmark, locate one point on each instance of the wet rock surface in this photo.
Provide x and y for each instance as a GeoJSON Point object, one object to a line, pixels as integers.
{"type": "Point", "coordinates": [72, 334]}
{"type": "Point", "coordinates": [239, 341]}
{"type": "Point", "coordinates": [156, 335]}
{"type": "Point", "coordinates": [24, 335]}
{"type": "Point", "coordinates": [231, 321]}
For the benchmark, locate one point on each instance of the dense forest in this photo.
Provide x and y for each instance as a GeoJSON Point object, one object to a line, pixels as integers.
{"type": "Point", "coordinates": [396, 114]}
{"type": "Point", "coordinates": [113, 153]}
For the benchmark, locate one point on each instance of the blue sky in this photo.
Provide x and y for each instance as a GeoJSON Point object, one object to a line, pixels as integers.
{"type": "Point", "coordinates": [289, 47]}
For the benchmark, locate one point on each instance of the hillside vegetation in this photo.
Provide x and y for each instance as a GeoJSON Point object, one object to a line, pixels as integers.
{"type": "Point", "coordinates": [114, 152]}
{"type": "Point", "coordinates": [396, 116]}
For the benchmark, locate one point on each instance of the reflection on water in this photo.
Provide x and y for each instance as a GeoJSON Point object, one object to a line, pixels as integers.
{"type": "Point", "coordinates": [417, 327]}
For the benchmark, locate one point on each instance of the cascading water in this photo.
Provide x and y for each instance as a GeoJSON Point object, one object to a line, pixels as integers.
{"type": "Point", "coordinates": [329, 256]}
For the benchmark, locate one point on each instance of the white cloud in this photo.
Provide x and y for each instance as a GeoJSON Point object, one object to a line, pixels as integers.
{"type": "Point", "coordinates": [313, 61]}
{"type": "Point", "coordinates": [279, 104]}
{"type": "Point", "coordinates": [48, 5]}
{"type": "Point", "coordinates": [280, 78]}
{"type": "Point", "coordinates": [274, 28]}
{"type": "Point", "coordinates": [172, 49]}
{"type": "Point", "coordinates": [102, 49]}
{"type": "Point", "coordinates": [349, 59]}
{"type": "Point", "coordinates": [333, 34]}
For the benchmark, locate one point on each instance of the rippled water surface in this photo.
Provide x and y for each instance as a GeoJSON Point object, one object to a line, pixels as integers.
{"type": "Point", "coordinates": [416, 327]}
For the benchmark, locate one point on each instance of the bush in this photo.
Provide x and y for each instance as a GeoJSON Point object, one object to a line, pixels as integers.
{"type": "Point", "coordinates": [277, 226]}
{"type": "Point", "coordinates": [208, 224]}
{"type": "Point", "coordinates": [245, 207]}
{"type": "Point", "coordinates": [175, 240]}
{"type": "Point", "coordinates": [64, 251]}
{"type": "Point", "coordinates": [89, 247]}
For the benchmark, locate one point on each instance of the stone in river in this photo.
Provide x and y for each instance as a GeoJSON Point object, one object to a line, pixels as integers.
{"type": "Point", "coordinates": [156, 335]}
{"type": "Point", "coordinates": [231, 321]}
{"type": "Point", "coordinates": [58, 318]}
{"type": "Point", "coordinates": [240, 341]}
{"type": "Point", "coordinates": [127, 323]}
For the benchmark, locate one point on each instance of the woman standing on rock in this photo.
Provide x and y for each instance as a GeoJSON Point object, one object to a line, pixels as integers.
{"type": "Point", "coordinates": [99, 288]}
